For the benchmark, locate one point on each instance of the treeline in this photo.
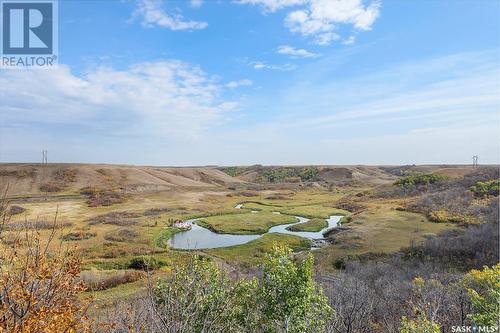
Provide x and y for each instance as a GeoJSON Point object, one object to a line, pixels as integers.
{"type": "Point", "coordinates": [466, 200]}
{"type": "Point", "coordinates": [279, 175]}
{"type": "Point", "coordinates": [276, 174]}
{"type": "Point", "coordinates": [420, 179]}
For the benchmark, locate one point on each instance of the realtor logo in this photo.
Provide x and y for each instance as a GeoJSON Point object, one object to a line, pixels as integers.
{"type": "Point", "coordinates": [29, 33]}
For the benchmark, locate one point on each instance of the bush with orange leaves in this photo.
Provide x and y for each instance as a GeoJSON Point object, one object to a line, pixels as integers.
{"type": "Point", "coordinates": [39, 291]}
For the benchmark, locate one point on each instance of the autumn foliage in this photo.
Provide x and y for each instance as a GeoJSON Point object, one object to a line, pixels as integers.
{"type": "Point", "coordinates": [39, 291]}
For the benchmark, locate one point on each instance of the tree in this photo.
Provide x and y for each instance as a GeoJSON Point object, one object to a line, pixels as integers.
{"type": "Point", "coordinates": [425, 306]}
{"type": "Point", "coordinates": [419, 325]}
{"type": "Point", "coordinates": [484, 291]}
{"type": "Point", "coordinates": [353, 301]}
{"type": "Point", "coordinates": [39, 291]}
{"type": "Point", "coordinates": [200, 297]}
{"type": "Point", "coordinates": [291, 301]}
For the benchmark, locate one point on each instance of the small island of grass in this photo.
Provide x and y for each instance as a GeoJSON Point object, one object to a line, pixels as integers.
{"type": "Point", "coordinates": [245, 224]}
{"type": "Point", "coordinates": [313, 225]}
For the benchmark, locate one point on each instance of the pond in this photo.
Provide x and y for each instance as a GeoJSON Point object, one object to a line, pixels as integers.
{"type": "Point", "coordinates": [202, 238]}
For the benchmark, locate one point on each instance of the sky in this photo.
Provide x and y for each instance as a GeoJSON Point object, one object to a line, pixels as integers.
{"type": "Point", "coordinates": [208, 82]}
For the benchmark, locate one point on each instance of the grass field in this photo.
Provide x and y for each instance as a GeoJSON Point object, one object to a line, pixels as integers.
{"type": "Point", "coordinates": [252, 253]}
{"type": "Point", "coordinates": [245, 224]}
{"type": "Point", "coordinates": [313, 225]}
{"type": "Point", "coordinates": [319, 210]}
{"type": "Point", "coordinates": [381, 230]}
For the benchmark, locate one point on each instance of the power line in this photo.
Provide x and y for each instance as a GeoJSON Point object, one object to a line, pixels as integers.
{"type": "Point", "coordinates": [475, 160]}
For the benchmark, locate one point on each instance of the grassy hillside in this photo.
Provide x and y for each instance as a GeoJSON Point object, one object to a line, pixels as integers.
{"type": "Point", "coordinates": [71, 179]}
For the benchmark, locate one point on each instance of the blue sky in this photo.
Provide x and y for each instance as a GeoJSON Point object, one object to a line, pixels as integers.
{"type": "Point", "coordinates": [241, 82]}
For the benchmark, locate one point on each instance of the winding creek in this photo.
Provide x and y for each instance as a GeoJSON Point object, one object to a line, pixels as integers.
{"type": "Point", "coordinates": [201, 238]}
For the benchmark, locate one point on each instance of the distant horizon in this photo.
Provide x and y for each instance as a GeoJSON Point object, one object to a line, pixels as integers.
{"type": "Point", "coordinates": [253, 165]}
{"type": "Point", "coordinates": [274, 82]}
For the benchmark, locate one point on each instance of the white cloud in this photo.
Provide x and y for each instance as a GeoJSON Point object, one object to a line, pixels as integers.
{"type": "Point", "coordinates": [166, 98]}
{"type": "Point", "coordinates": [326, 38]}
{"type": "Point", "coordinates": [152, 14]}
{"type": "Point", "coordinates": [262, 65]}
{"type": "Point", "coordinates": [239, 83]}
{"type": "Point", "coordinates": [349, 40]}
{"type": "Point", "coordinates": [293, 52]}
{"type": "Point", "coordinates": [322, 17]}
{"type": "Point", "coordinates": [319, 19]}
{"type": "Point", "coordinates": [345, 12]}
{"type": "Point", "coordinates": [196, 3]}
{"type": "Point", "coordinates": [273, 5]}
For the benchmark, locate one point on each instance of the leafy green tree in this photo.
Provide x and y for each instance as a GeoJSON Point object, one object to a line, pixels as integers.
{"type": "Point", "coordinates": [290, 299]}
{"type": "Point", "coordinates": [484, 291]}
{"type": "Point", "coordinates": [420, 325]}
{"type": "Point", "coordinates": [199, 297]}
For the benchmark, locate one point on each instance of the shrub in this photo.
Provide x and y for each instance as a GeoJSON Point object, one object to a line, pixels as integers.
{"type": "Point", "coordinates": [143, 263]}
{"type": "Point", "coordinates": [50, 187]}
{"type": "Point", "coordinates": [484, 291]}
{"type": "Point", "coordinates": [115, 218]}
{"type": "Point", "coordinates": [233, 171]}
{"type": "Point", "coordinates": [40, 291]}
{"type": "Point", "coordinates": [420, 179]}
{"type": "Point", "coordinates": [78, 235]}
{"type": "Point", "coordinates": [98, 280]}
{"type": "Point", "coordinates": [420, 325]}
{"type": "Point", "coordinates": [290, 298]}
{"type": "Point", "coordinates": [121, 235]}
{"type": "Point", "coordinates": [487, 188]}
{"type": "Point", "coordinates": [443, 216]}
{"type": "Point", "coordinates": [64, 175]}
{"type": "Point", "coordinates": [156, 211]}
{"type": "Point", "coordinates": [201, 297]}
{"type": "Point", "coordinates": [105, 198]}
{"type": "Point", "coordinates": [36, 225]}
{"type": "Point", "coordinates": [90, 190]}
{"type": "Point", "coordinates": [308, 173]}
{"type": "Point", "coordinates": [14, 210]}
{"type": "Point", "coordinates": [277, 175]}
{"type": "Point", "coordinates": [472, 247]}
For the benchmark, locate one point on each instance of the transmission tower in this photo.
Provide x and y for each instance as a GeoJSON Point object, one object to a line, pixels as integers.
{"type": "Point", "coordinates": [475, 159]}
{"type": "Point", "coordinates": [44, 157]}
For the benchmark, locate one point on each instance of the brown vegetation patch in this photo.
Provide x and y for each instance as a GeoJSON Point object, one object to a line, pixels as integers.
{"type": "Point", "coordinates": [156, 211]}
{"type": "Point", "coordinates": [105, 198]}
{"type": "Point", "coordinates": [345, 238]}
{"type": "Point", "coordinates": [110, 250]}
{"type": "Point", "coordinates": [50, 187]}
{"type": "Point", "coordinates": [14, 210]}
{"type": "Point", "coordinates": [351, 204]}
{"type": "Point", "coordinates": [115, 218]}
{"type": "Point", "coordinates": [36, 225]}
{"type": "Point", "coordinates": [247, 194]}
{"type": "Point", "coordinates": [277, 197]}
{"type": "Point", "coordinates": [65, 175]}
{"type": "Point", "coordinates": [335, 174]}
{"type": "Point", "coordinates": [96, 280]}
{"type": "Point", "coordinates": [121, 235]}
{"type": "Point", "coordinates": [78, 235]}
{"type": "Point", "coordinates": [18, 173]}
